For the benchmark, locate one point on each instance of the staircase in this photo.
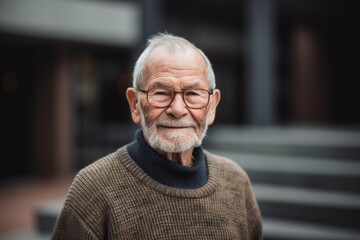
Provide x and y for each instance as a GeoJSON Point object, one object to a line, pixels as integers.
{"type": "Point", "coordinates": [306, 181]}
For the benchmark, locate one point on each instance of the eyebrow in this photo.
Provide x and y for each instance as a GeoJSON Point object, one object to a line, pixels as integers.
{"type": "Point", "coordinates": [192, 85]}
{"type": "Point", "coordinates": [161, 84]}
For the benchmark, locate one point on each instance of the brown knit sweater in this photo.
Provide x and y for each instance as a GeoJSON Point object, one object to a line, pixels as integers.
{"type": "Point", "coordinates": [114, 198]}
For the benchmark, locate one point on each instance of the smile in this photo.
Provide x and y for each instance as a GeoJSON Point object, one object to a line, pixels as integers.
{"type": "Point", "coordinates": [174, 127]}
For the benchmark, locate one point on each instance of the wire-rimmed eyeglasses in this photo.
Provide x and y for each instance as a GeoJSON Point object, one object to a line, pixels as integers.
{"type": "Point", "coordinates": [163, 97]}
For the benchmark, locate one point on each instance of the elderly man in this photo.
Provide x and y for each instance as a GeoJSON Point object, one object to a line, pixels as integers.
{"type": "Point", "coordinates": [164, 185]}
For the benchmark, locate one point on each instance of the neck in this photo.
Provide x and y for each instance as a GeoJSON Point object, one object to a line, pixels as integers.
{"type": "Point", "coordinates": [183, 158]}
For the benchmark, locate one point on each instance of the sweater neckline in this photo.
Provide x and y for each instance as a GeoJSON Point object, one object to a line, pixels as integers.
{"type": "Point", "coordinates": [200, 189]}
{"type": "Point", "coordinates": [165, 171]}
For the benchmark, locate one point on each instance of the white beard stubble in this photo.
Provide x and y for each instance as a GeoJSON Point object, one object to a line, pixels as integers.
{"type": "Point", "coordinates": [176, 141]}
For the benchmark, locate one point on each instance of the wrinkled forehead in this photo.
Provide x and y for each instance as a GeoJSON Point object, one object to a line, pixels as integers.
{"type": "Point", "coordinates": [175, 60]}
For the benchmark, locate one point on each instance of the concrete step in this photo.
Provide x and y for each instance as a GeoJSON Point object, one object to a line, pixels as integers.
{"type": "Point", "coordinates": [308, 205]}
{"type": "Point", "coordinates": [280, 229]}
{"type": "Point", "coordinates": [46, 215]}
{"type": "Point", "coordinates": [301, 141]}
{"type": "Point", "coordinates": [311, 172]}
{"type": "Point", "coordinates": [306, 175]}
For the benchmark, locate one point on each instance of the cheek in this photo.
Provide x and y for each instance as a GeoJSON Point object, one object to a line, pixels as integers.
{"type": "Point", "coordinates": [151, 114]}
{"type": "Point", "coordinates": [199, 115]}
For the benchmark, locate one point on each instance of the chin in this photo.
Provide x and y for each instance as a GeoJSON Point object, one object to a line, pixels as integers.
{"type": "Point", "coordinates": [179, 135]}
{"type": "Point", "coordinates": [174, 145]}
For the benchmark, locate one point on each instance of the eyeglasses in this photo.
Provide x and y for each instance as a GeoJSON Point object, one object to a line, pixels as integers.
{"type": "Point", "coordinates": [163, 97]}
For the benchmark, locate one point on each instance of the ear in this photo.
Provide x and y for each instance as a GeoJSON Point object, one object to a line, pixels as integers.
{"type": "Point", "coordinates": [215, 99]}
{"type": "Point", "coordinates": [133, 105]}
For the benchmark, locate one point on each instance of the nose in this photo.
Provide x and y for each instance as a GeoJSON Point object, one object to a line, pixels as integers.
{"type": "Point", "coordinates": [177, 107]}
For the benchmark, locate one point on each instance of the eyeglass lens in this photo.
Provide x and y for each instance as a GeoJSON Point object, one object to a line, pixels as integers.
{"type": "Point", "coordinates": [162, 97]}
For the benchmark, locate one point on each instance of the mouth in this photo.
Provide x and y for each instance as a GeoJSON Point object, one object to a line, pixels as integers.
{"type": "Point", "coordinates": [174, 127]}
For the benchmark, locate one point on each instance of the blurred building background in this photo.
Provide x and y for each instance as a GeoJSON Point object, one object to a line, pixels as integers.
{"type": "Point", "coordinates": [289, 114]}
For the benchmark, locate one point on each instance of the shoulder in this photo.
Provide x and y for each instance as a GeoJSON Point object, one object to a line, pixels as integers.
{"type": "Point", "coordinates": [100, 172]}
{"type": "Point", "coordinates": [88, 200]}
{"type": "Point", "coordinates": [109, 161]}
{"type": "Point", "coordinates": [227, 166]}
{"type": "Point", "coordinates": [224, 162]}
{"type": "Point", "coordinates": [93, 182]}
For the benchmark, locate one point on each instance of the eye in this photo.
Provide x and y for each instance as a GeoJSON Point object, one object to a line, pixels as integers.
{"type": "Point", "coordinates": [192, 93]}
{"type": "Point", "coordinates": [160, 92]}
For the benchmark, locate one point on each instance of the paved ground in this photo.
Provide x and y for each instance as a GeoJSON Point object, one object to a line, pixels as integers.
{"type": "Point", "coordinates": [25, 235]}
{"type": "Point", "coordinates": [19, 200]}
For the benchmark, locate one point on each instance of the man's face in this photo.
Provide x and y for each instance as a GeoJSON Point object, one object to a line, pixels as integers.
{"type": "Point", "coordinates": [175, 128]}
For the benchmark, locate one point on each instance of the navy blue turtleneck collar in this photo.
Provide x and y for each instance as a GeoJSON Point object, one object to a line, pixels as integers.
{"type": "Point", "coordinates": [165, 171]}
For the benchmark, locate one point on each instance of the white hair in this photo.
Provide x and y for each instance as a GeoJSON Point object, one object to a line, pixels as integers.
{"type": "Point", "coordinates": [172, 43]}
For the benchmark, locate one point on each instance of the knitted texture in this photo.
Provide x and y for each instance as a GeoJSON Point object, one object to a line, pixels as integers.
{"type": "Point", "coordinates": [114, 198]}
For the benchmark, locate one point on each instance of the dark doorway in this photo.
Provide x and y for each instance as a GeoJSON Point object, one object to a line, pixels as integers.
{"type": "Point", "coordinates": [18, 71]}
